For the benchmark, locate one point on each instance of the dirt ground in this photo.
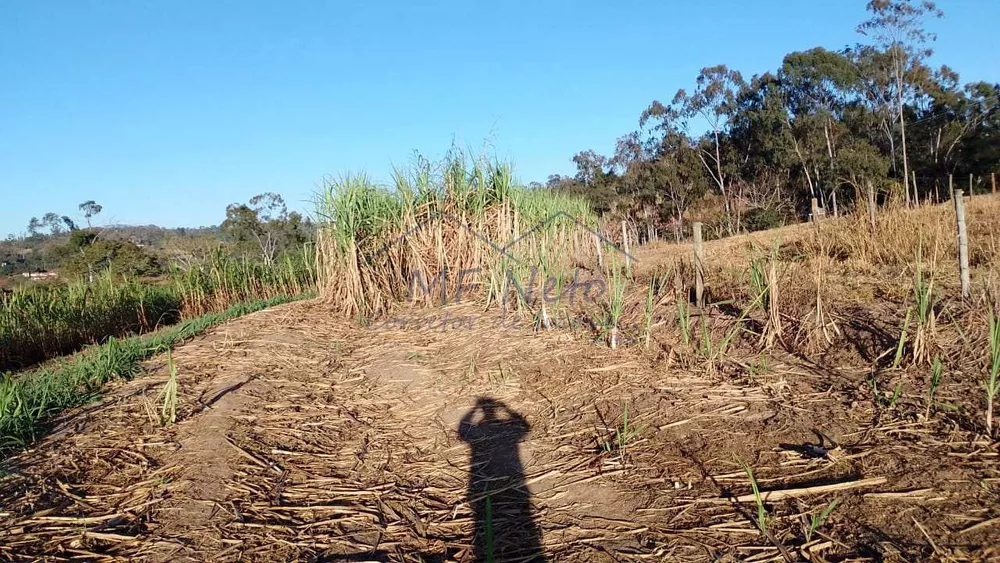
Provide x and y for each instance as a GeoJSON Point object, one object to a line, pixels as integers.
{"type": "Point", "coordinates": [302, 436]}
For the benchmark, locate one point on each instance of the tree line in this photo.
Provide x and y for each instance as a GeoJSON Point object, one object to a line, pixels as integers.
{"type": "Point", "coordinates": [871, 122]}
{"type": "Point", "coordinates": [260, 230]}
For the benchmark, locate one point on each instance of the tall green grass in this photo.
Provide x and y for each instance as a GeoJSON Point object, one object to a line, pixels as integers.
{"type": "Point", "coordinates": [223, 281]}
{"type": "Point", "coordinates": [38, 323]}
{"type": "Point", "coordinates": [436, 220]}
{"type": "Point", "coordinates": [42, 322]}
{"type": "Point", "coordinates": [29, 400]}
{"type": "Point", "coordinates": [762, 517]}
{"type": "Point", "coordinates": [992, 380]}
{"type": "Point", "coordinates": [617, 282]}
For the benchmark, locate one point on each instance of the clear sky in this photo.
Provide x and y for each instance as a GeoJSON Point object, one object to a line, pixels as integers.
{"type": "Point", "coordinates": [165, 111]}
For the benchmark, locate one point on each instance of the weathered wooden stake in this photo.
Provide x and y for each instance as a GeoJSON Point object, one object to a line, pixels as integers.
{"type": "Point", "coordinates": [834, 198]}
{"type": "Point", "coordinates": [699, 265]}
{"type": "Point", "coordinates": [951, 187]}
{"type": "Point", "coordinates": [963, 245]}
{"type": "Point", "coordinates": [970, 186]}
{"type": "Point", "coordinates": [916, 194]}
{"type": "Point", "coordinates": [600, 256]}
{"type": "Point", "coordinates": [871, 206]}
{"type": "Point", "coordinates": [993, 181]}
{"type": "Point", "coordinates": [628, 251]}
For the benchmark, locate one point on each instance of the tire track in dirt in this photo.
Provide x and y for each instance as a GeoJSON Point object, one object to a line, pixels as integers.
{"type": "Point", "coordinates": [205, 459]}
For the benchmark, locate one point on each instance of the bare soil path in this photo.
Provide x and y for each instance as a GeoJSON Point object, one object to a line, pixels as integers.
{"type": "Point", "coordinates": [304, 437]}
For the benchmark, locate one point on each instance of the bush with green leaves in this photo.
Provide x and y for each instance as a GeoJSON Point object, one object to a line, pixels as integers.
{"type": "Point", "coordinates": [762, 219]}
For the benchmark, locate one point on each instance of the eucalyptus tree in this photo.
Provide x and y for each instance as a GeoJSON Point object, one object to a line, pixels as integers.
{"type": "Point", "coordinates": [34, 227]}
{"type": "Point", "coordinates": [264, 227]}
{"type": "Point", "coordinates": [714, 100]}
{"type": "Point", "coordinates": [981, 150]}
{"type": "Point", "coordinates": [677, 167]}
{"type": "Point", "coordinates": [659, 176]}
{"type": "Point", "coordinates": [57, 224]}
{"type": "Point", "coordinates": [863, 167]}
{"type": "Point", "coordinates": [825, 124]}
{"type": "Point", "coordinates": [897, 28]}
{"type": "Point", "coordinates": [594, 180]}
{"type": "Point", "coordinates": [817, 86]}
{"type": "Point", "coordinates": [90, 208]}
{"type": "Point", "coordinates": [761, 134]}
{"type": "Point", "coordinates": [637, 185]}
{"type": "Point", "coordinates": [958, 126]}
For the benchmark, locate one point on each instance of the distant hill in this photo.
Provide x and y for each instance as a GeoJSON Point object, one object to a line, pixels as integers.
{"type": "Point", "coordinates": [37, 253]}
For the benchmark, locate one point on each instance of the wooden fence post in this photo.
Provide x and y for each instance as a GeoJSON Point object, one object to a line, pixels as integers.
{"type": "Point", "coordinates": [600, 256]}
{"type": "Point", "coordinates": [871, 205]}
{"type": "Point", "coordinates": [970, 185]}
{"type": "Point", "coordinates": [916, 194]}
{"type": "Point", "coordinates": [993, 181]}
{"type": "Point", "coordinates": [951, 187]}
{"type": "Point", "coordinates": [625, 240]}
{"type": "Point", "coordinates": [963, 245]}
{"type": "Point", "coordinates": [699, 264]}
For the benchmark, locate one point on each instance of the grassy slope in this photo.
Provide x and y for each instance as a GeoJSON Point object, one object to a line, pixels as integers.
{"type": "Point", "coordinates": [29, 401]}
{"type": "Point", "coordinates": [40, 322]}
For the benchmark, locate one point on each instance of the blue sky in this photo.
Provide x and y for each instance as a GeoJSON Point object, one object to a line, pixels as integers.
{"type": "Point", "coordinates": [166, 111]}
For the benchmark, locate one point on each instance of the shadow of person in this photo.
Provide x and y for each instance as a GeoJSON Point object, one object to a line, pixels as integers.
{"type": "Point", "coordinates": [505, 528]}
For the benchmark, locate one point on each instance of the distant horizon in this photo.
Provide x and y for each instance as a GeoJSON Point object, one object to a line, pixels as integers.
{"type": "Point", "coordinates": [166, 114]}
{"type": "Point", "coordinates": [114, 226]}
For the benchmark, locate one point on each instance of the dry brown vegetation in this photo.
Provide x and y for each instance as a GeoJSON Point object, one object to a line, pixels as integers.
{"type": "Point", "coordinates": [303, 435]}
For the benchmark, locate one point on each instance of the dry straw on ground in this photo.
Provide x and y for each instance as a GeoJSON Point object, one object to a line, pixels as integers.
{"type": "Point", "coordinates": [302, 435]}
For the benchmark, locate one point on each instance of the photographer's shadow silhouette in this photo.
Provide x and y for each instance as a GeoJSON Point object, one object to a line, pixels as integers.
{"type": "Point", "coordinates": [505, 526]}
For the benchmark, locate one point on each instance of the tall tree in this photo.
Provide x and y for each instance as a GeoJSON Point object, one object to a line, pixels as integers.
{"type": "Point", "coordinates": [34, 227]}
{"type": "Point", "coordinates": [589, 167]}
{"type": "Point", "coordinates": [57, 224]}
{"type": "Point", "coordinates": [897, 27]}
{"type": "Point", "coordinates": [713, 100]}
{"type": "Point", "coordinates": [816, 85]}
{"type": "Point", "coordinates": [678, 171]}
{"type": "Point", "coordinates": [594, 180]}
{"type": "Point", "coordinates": [90, 208]}
{"type": "Point", "coordinates": [857, 123]}
{"type": "Point", "coordinates": [761, 137]}
{"type": "Point", "coordinates": [263, 226]}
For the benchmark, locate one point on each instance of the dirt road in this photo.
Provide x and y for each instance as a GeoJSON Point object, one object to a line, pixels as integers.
{"type": "Point", "coordinates": [447, 438]}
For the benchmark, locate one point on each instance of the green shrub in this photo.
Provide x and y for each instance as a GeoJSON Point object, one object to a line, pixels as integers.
{"type": "Point", "coordinates": [86, 254]}
{"type": "Point", "coordinates": [762, 219]}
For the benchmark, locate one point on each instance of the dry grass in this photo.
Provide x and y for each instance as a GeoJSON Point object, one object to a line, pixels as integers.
{"type": "Point", "coordinates": [900, 235]}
